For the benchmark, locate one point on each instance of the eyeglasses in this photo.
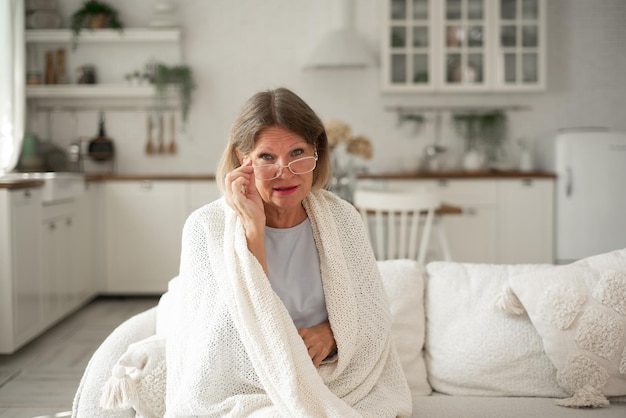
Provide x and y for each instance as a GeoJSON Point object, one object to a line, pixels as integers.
{"type": "Point", "coordinates": [272, 171]}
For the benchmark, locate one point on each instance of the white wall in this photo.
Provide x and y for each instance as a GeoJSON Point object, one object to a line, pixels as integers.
{"type": "Point", "coordinates": [238, 47]}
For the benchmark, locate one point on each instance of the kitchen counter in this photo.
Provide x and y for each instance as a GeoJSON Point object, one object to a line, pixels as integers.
{"type": "Point", "coordinates": [459, 174]}
{"type": "Point", "coordinates": [154, 177]}
{"type": "Point", "coordinates": [20, 183]}
{"type": "Point", "coordinates": [382, 176]}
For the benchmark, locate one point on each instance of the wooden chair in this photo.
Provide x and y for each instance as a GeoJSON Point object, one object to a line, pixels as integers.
{"type": "Point", "coordinates": [398, 223]}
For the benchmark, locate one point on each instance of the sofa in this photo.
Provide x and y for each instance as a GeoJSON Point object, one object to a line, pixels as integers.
{"type": "Point", "coordinates": [475, 340]}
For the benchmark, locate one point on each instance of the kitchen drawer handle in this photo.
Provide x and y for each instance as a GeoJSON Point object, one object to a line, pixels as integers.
{"type": "Point", "coordinates": [470, 211]}
{"type": "Point", "coordinates": [527, 182]}
{"type": "Point", "coordinates": [68, 221]}
{"type": "Point", "coordinates": [52, 226]}
{"type": "Point", "coordinates": [27, 194]}
{"type": "Point", "coordinates": [146, 184]}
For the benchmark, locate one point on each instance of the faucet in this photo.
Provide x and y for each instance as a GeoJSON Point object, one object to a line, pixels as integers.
{"type": "Point", "coordinates": [432, 151]}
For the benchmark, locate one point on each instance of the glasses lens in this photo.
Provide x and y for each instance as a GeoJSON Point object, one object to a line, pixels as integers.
{"type": "Point", "coordinates": [266, 171]}
{"type": "Point", "coordinates": [303, 165]}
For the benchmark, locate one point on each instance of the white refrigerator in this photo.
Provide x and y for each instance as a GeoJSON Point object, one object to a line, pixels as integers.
{"type": "Point", "coordinates": [590, 205]}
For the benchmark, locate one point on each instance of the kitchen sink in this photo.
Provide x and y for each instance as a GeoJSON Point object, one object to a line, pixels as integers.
{"type": "Point", "coordinates": [57, 186]}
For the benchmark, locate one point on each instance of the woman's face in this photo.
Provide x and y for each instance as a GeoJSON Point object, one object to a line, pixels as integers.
{"type": "Point", "coordinates": [276, 145]}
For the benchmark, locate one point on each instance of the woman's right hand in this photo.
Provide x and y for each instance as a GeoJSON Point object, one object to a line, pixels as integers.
{"type": "Point", "coordinates": [242, 195]}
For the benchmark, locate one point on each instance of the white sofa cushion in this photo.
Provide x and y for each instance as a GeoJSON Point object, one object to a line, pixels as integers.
{"type": "Point", "coordinates": [472, 349]}
{"type": "Point", "coordinates": [580, 312]}
{"type": "Point", "coordinates": [404, 284]}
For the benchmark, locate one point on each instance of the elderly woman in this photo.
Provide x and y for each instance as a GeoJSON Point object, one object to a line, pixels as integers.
{"type": "Point", "coordinates": [280, 308]}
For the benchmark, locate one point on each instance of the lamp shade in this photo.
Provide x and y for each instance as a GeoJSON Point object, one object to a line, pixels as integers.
{"type": "Point", "coordinates": [341, 48]}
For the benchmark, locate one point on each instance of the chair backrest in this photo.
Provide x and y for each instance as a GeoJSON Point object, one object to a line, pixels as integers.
{"type": "Point", "coordinates": [398, 223]}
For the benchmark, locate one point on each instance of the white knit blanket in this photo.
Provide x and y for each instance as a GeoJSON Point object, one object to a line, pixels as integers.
{"type": "Point", "coordinates": [232, 348]}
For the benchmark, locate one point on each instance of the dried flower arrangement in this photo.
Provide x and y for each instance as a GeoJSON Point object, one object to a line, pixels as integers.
{"type": "Point", "coordinates": [339, 132]}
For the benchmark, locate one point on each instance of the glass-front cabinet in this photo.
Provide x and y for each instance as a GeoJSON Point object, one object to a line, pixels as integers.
{"type": "Point", "coordinates": [464, 50]}
{"type": "Point", "coordinates": [409, 41]}
{"type": "Point", "coordinates": [463, 45]}
{"type": "Point", "coordinates": [520, 48]}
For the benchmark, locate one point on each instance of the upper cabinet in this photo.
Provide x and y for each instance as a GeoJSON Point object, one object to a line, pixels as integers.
{"type": "Point", "coordinates": [106, 54]}
{"type": "Point", "coordinates": [463, 45]}
{"type": "Point", "coordinates": [520, 51]}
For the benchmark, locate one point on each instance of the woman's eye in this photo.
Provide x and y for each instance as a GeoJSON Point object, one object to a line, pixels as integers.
{"type": "Point", "coordinates": [266, 157]}
{"type": "Point", "coordinates": [297, 152]}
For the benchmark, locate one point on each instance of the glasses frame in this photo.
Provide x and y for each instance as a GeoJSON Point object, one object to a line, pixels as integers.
{"type": "Point", "coordinates": [279, 171]}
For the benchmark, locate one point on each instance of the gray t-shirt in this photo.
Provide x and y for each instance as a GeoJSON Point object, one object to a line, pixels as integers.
{"type": "Point", "coordinates": [294, 271]}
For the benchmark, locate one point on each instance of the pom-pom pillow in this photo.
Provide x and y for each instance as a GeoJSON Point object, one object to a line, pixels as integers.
{"type": "Point", "coordinates": [138, 380]}
{"type": "Point", "coordinates": [471, 348]}
{"type": "Point", "coordinates": [580, 312]}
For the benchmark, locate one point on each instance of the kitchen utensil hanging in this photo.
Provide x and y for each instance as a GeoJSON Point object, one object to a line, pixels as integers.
{"type": "Point", "coordinates": [161, 135]}
{"type": "Point", "coordinates": [101, 147]}
{"type": "Point", "coordinates": [172, 146]}
{"type": "Point", "coordinates": [157, 143]}
{"type": "Point", "coordinates": [149, 144]}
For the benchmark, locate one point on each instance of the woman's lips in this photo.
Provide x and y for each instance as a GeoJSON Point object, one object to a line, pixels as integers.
{"type": "Point", "coordinates": [285, 190]}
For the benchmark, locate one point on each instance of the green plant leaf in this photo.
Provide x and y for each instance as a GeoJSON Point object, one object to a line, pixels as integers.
{"type": "Point", "coordinates": [181, 77]}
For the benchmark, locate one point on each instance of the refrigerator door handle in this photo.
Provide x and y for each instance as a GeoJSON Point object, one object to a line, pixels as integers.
{"type": "Point", "coordinates": [568, 182]}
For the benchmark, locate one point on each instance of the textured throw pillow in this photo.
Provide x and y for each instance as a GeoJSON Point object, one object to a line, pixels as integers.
{"type": "Point", "coordinates": [404, 284]}
{"type": "Point", "coordinates": [579, 310]}
{"type": "Point", "coordinates": [138, 380]}
{"type": "Point", "coordinates": [471, 348]}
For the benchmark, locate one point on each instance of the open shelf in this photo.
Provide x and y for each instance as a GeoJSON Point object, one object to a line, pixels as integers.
{"type": "Point", "coordinates": [84, 91]}
{"type": "Point", "coordinates": [103, 35]}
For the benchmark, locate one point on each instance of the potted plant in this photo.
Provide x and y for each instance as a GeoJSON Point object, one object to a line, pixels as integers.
{"type": "Point", "coordinates": [94, 14]}
{"type": "Point", "coordinates": [180, 77]}
{"type": "Point", "coordinates": [484, 135]}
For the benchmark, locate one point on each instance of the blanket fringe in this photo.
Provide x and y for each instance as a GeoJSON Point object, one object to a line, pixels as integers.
{"type": "Point", "coordinates": [119, 391]}
{"type": "Point", "coordinates": [508, 302]}
{"type": "Point", "coordinates": [585, 397]}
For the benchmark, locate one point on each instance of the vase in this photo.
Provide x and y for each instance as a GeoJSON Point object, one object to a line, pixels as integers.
{"type": "Point", "coordinates": [526, 161]}
{"type": "Point", "coordinates": [344, 173]}
{"type": "Point", "coordinates": [473, 160]}
{"type": "Point", "coordinates": [98, 21]}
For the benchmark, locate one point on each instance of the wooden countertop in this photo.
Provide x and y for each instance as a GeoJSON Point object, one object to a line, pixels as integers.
{"type": "Point", "coordinates": [459, 174]}
{"type": "Point", "coordinates": [14, 184]}
{"type": "Point", "coordinates": [140, 177]}
{"type": "Point", "coordinates": [378, 176]}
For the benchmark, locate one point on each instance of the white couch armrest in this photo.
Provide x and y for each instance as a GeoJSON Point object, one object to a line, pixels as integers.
{"type": "Point", "coordinates": [87, 398]}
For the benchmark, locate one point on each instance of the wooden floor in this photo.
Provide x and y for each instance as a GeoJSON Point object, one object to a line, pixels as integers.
{"type": "Point", "coordinates": [40, 380]}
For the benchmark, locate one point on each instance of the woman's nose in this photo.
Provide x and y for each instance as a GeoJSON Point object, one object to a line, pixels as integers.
{"type": "Point", "coordinates": [284, 171]}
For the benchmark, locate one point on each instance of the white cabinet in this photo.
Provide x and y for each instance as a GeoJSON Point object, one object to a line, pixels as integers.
{"type": "Point", "coordinates": [525, 221]}
{"type": "Point", "coordinates": [200, 193]}
{"type": "Point", "coordinates": [463, 45]}
{"type": "Point", "coordinates": [503, 221]}
{"type": "Point", "coordinates": [20, 292]}
{"type": "Point", "coordinates": [113, 55]}
{"type": "Point", "coordinates": [142, 231]}
{"type": "Point", "coordinates": [471, 235]}
{"type": "Point", "coordinates": [66, 242]}
{"type": "Point", "coordinates": [520, 45]}
{"type": "Point", "coordinates": [82, 244]}
{"type": "Point", "coordinates": [44, 269]}
{"type": "Point", "coordinates": [143, 226]}
{"type": "Point", "coordinates": [57, 271]}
